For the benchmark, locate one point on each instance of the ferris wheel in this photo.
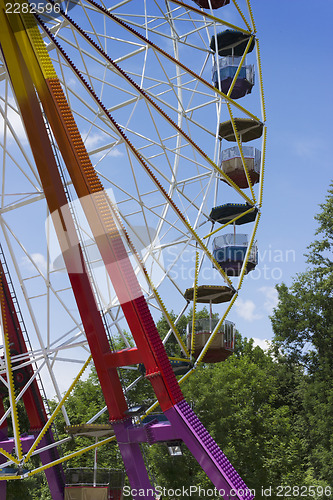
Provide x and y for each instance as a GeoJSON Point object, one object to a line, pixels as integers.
{"type": "Point", "coordinates": [120, 202]}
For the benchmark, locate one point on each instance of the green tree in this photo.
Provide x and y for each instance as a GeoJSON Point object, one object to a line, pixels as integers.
{"type": "Point", "coordinates": [303, 321]}
{"type": "Point", "coordinates": [303, 328]}
{"type": "Point", "coordinates": [241, 402]}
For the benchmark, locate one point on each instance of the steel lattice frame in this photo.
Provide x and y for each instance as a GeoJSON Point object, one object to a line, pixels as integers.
{"type": "Point", "coordinates": [137, 76]}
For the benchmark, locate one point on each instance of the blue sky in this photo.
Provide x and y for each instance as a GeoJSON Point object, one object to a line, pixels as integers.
{"type": "Point", "coordinates": [296, 47]}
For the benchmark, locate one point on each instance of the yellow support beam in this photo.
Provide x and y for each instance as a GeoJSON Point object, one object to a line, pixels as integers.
{"type": "Point", "coordinates": [240, 66]}
{"type": "Point", "coordinates": [251, 16]}
{"type": "Point", "coordinates": [150, 409]}
{"type": "Point", "coordinates": [262, 170]}
{"type": "Point", "coordinates": [56, 411]}
{"type": "Point", "coordinates": [253, 201]}
{"type": "Point", "coordinates": [186, 376]}
{"type": "Point", "coordinates": [10, 478]}
{"type": "Point", "coordinates": [229, 222]}
{"type": "Point", "coordinates": [262, 96]}
{"type": "Point", "coordinates": [10, 378]}
{"type": "Point", "coordinates": [249, 248]}
{"type": "Point", "coordinates": [242, 15]}
{"type": "Point", "coordinates": [70, 456]}
{"type": "Point", "coordinates": [216, 19]}
{"type": "Point", "coordinates": [213, 335]}
{"type": "Point", "coordinates": [38, 45]}
{"type": "Point", "coordinates": [27, 35]}
{"type": "Point", "coordinates": [195, 291]}
{"type": "Point", "coordinates": [9, 456]}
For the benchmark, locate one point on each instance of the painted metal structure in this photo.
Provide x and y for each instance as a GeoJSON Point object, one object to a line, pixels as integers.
{"type": "Point", "coordinates": [52, 112]}
{"type": "Point", "coordinates": [16, 347]}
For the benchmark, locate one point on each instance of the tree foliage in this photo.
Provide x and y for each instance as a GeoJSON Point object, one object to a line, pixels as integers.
{"type": "Point", "coordinates": [241, 403]}
{"type": "Point", "coordinates": [303, 328]}
{"type": "Point", "coordinates": [303, 321]}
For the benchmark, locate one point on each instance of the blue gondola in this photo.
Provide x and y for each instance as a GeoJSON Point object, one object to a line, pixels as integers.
{"type": "Point", "coordinates": [180, 367]}
{"type": "Point", "coordinates": [223, 74]}
{"type": "Point", "coordinates": [231, 45]}
{"type": "Point", "coordinates": [230, 250]}
{"type": "Point", "coordinates": [159, 417]}
{"type": "Point", "coordinates": [11, 471]}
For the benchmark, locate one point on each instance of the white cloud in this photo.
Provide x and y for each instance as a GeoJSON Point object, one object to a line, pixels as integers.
{"type": "Point", "coordinates": [71, 82]}
{"type": "Point", "coordinates": [309, 147]}
{"type": "Point", "coordinates": [115, 153]}
{"type": "Point", "coordinates": [93, 140]}
{"type": "Point", "coordinates": [263, 343]}
{"type": "Point", "coordinates": [96, 145]}
{"type": "Point", "coordinates": [15, 120]}
{"type": "Point", "coordinates": [246, 310]}
{"type": "Point", "coordinates": [271, 296]}
{"type": "Point", "coordinates": [38, 259]}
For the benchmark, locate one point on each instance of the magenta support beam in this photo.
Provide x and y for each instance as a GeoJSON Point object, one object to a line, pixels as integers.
{"type": "Point", "coordinates": [54, 475]}
{"type": "Point", "coordinates": [203, 447]}
{"type": "Point", "coordinates": [9, 443]}
{"type": "Point", "coordinates": [132, 457]}
{"type": "Point", "coordinates": [54, 478]}
{"type": "Point", "coordinates": [3, 484]}
{"type": "Point", "coordinates": [182, 425]}
{"type": "Point", "coordinates": [149, 433]}
{"type": "Point", "coordinates": [3, 459]}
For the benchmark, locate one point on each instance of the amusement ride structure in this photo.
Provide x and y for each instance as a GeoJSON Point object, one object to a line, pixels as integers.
{"type": "Point", "coordinates": [120, 201]}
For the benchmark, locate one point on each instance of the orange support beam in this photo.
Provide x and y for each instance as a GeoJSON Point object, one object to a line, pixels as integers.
{"type": "Point", "coordinates": [55, 195]}
{"type": "Point", "coordinates": [96, 206]}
